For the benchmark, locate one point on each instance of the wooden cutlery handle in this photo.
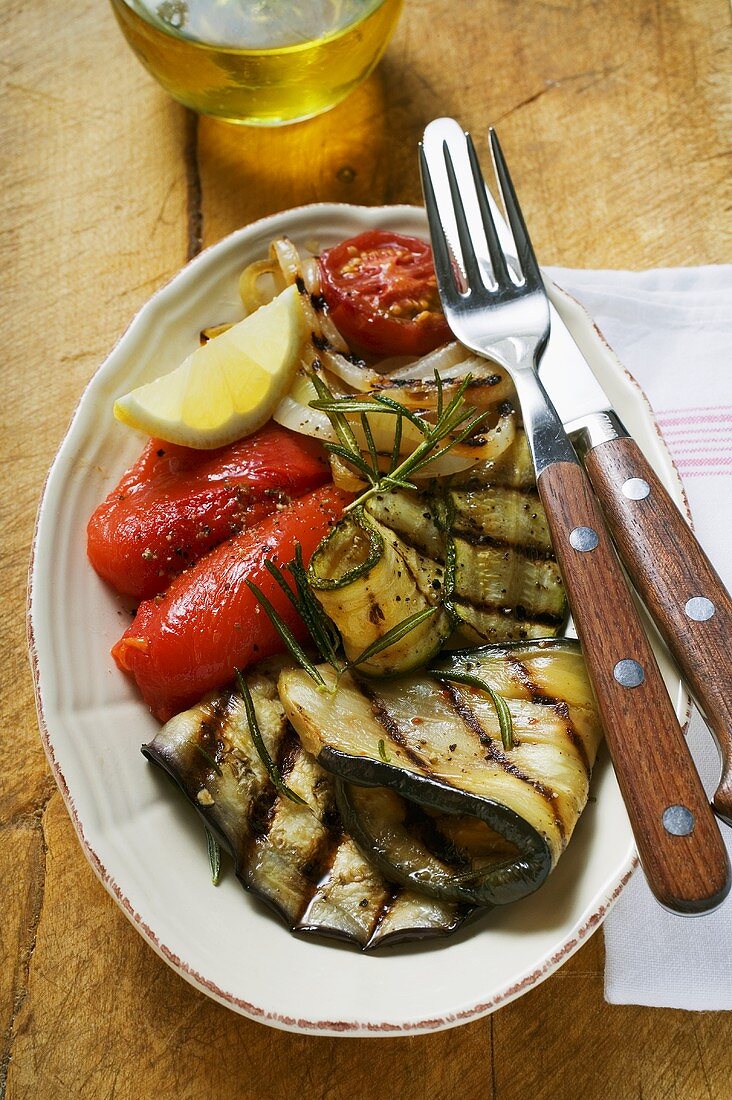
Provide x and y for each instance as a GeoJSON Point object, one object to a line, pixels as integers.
{"type": "Point", "coordinates": [678, 838]}
{"type": "Point", "coordinates": [678, 583]}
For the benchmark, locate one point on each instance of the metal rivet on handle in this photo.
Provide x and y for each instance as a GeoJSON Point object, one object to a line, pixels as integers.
{"type": "Point", "coordinates": [629, 673]}
{"type": "Point", "coordinates": [699, 608]}
{"type": "Point", "coordinates": [583, 539]}
{"type": "Point", "coordinates": [678, 821]}
{"type": "Point", "coordinates": [635, 488]}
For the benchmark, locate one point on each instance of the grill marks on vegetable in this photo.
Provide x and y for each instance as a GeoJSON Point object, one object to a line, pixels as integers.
{"type": "Point", "coordinates": [451, 756]}
{"type": "Point", "coordinates": [538, 697]}
{"type": "Point", "coordinates": [390, 726]}
{"type": "Point", "coordinates": [507, 581]}
{"type": "Point", "coordinates": [462, 708]}
{"type": "Point", "coordinates": [295, 858]}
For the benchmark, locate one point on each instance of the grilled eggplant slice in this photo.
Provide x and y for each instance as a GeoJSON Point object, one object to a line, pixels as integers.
{"type": "Point", "coordinates": [368, 581]}
{"type": "Point", "coordinates": [294, 857]}
{"type": "Point", "coordinates": [444, 855]}
{"type": "Point", "coordinates": [438, 744]}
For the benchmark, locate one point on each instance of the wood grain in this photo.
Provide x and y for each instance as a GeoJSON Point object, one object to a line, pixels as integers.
{"type": "Point", "coordinates": [687, 873]}
{"type": "Point", "coordinates": [615, 120]}
{"type": "Point", "coordinates": [669, 568]}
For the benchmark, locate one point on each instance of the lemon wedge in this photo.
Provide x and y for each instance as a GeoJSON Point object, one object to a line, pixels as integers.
{"type": "Point", "coordinates": [229, 387]}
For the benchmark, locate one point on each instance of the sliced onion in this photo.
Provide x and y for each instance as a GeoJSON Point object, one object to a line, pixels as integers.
{"type": "Point", "coordinates": [449, 355]}
{"type": "Point", "coordinates": [410, 382]}
{"type": "Point", "coordinates": [394, 363]}
{"type": "Point", "coordinates": [356, 375]}
{"type": "Point", "coordinates": [310, 274]}
{"type": "Point", "coordinates": [253, 293]}
{"type": "Point", "coordinates": [299, 418]}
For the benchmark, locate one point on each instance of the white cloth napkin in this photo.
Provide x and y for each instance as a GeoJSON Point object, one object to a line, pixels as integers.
{"type": "Point", "coordinates": [672, 329]}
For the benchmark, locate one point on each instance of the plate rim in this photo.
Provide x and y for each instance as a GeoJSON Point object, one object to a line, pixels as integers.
{"type": "Point", "coordinates": [573, 937]}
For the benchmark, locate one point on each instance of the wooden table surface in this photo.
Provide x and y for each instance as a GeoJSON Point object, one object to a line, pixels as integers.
{"type": "Point", "coordinates": [612, 117]}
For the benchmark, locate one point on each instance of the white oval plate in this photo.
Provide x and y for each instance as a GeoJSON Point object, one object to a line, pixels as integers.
{"type": "Point", "coordinates": [143, 841]}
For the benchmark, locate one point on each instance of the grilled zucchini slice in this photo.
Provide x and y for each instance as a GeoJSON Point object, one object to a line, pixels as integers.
{"type": "Point", "coordinates": [368, 581]}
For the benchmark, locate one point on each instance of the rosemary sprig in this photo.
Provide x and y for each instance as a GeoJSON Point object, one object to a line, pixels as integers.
{"type": "Point", "coordinates": [305, 605]}
{"type": "Point", "coordinates": [440, 393]}
{"type": "Point", "coordinates": [378, 404]}
{"type": "Point", "coordinates": [214, 856]}
{"type": "Point", "coordinates": [394, 635]}
{"type": "Point", "coordinates": [354, 460]}
{"type": "Point", "coordinates": [453, 420]}
{"type": "Point", "coordinates": [291, 642]}
{"type": "Point", "coordinates": [382, 751]}
{"type": "Point", "coordinates": [338, 421]}
{"type": "Point", "coordinates": [258, 741]}
{"type": "Point", "coordinates": [397, 442]}
{"type": "Point", "coordinates": [505, 721]}
{"type": "Point", "coordinates": [322, 630]}
{"type": "Point", "coordinates": [369, 436]}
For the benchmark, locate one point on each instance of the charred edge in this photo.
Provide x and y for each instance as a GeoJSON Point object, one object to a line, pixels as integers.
{"type": "Point", "coordinates": [259, 823]}
{"type": "Point", "coordinates": [529, 553]}
{"type": "Point", "coordinates": [390, 726]}
{"type": "Point", "coordinates": [519, 613]}
{"type": "Point", "coordinates": [420, 386]}
{"type": "Point", "coordinates": [210, 734]}
{"type": "Point", "coordinates": [472, 722]}
{"type": "Point", "coordinates": [521, 673]}
{"type": "Point", "coordinates": [523, 549]}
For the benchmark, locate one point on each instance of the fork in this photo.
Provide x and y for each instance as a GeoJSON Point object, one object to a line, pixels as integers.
{"type": "Point", "coordinates": [503, 314]}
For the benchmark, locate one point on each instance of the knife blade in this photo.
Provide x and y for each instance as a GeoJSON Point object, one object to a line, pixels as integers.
{"type": "Point", "coordinates": [680, 587]}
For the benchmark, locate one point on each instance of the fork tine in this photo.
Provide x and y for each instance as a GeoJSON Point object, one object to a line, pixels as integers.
{"type": "Point", "coordinates": [524, 249]}
{"type": "Point", "coordinates": [440, 248]}
{"type": "Point", "coordinates": [465, 237]}
{"type": "Point", "coordinates": [498, 259]}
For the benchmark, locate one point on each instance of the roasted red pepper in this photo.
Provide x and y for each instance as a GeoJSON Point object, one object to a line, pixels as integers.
{"type": "Point", "coordinates": [208, 623]}
{"type": "Point", "coordinates": [175, 504]}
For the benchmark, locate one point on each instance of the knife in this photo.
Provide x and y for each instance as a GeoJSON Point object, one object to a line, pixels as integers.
{"type": "Point", "coordinates": [680, 587]}
{"type": "Point", "coordinates": [678, 584]}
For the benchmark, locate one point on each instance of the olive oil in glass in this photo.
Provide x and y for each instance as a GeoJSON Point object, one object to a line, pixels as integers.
{"type": "Point", "coordinates": [260, 62]}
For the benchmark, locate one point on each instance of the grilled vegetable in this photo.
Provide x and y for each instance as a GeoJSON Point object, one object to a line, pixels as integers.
{"type": "Point", "coordinates": [176, 504]}
{"type": "Point", "coordinates": [368, 581]}
{"type": "Point", "coordinates": [387, 560]}
{"type": "Point", "coordinates": [188, 641]}
{"type": "Point", "coordinates": [295, 857]}
{"type": "Point", "coordinates": [443, 855]}
{"type": "Point", "coordinates": [438, 744]}
{"type": "Point", "coordinates": [507, 584]}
